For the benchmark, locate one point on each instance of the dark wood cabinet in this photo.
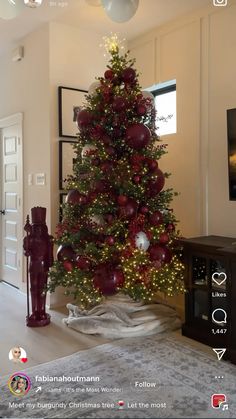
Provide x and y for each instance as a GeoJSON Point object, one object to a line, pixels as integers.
{"type": "Point", "coordinates": [210, 300]}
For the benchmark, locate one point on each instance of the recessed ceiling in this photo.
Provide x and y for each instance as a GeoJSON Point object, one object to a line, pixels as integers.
{"type": "Point", "coordinates": [151, 13]}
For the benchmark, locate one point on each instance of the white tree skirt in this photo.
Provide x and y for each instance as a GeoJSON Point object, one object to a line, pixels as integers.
{"type": "Point", "coordinates": [119, 316]}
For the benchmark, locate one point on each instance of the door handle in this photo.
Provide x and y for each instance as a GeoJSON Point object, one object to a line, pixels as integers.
{"type": "Point", "coordinates": [3, 212]}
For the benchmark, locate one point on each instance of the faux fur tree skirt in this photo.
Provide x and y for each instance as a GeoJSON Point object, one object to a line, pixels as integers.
{"type": "Point", "coordinates": [119, 316]}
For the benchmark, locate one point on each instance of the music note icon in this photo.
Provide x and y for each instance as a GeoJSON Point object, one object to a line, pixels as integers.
{"type": "Point", "coordinates": [224, 406]}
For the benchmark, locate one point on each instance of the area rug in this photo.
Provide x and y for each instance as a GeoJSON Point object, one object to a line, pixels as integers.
{"type": "Point", "coordinates": [161, 376]}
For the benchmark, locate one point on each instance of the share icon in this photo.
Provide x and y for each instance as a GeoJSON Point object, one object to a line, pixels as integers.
{"type": "Point", "coordinates": [219, 352]}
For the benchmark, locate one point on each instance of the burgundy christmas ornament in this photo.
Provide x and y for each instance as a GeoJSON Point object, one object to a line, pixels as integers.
{"type": "Point", "coordinates": [156, 185]}
{"type": "Point", "coordinates": [106, 279]}
{"type": "Point", "coordinates": [141, 110]}
{"type": "Point", "coordinates": [128, 75]}
{"type": "Point", "coordinates": [83, 263]}
{"type": "Point", "coordinates": [164, 238]}
{"type": "Point", "coordinates": [128, 210]}
{"type": "Point", "coordinates": [108, 74]}
{"type": "Point", "coordinates": [152, 165]}
{"type": "Point", "coordinates": [156, 218]}
{"type": "Point", "coordinates": [101, 185]}
{"type": "Point", "coordinates": [170, 227]}
{"type": "Point", "coordinates": [122, 200]}
{"type": "Point", "coordinates": [75, 197]}
{"type": "Point", "coordinates": [118, 277]}
{"type": "Point", "coordinates": [84, 119]}
{"type": "Point", "coordinates": [137, 136]}
{"type": "Point", "coordinates": [119, 104]}
{"type": "Point", "coordinates": [65, 252]}
{"type": "Point", "coordinates": [68, 265]}
{"type": "Point", "coordinates": [160, 253]}
{"type": "Point", "coordinates": [144, 210]}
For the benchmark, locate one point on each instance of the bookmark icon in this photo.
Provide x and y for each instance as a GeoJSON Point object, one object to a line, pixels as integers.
{"type": "Point", "coordinates": [219, 352]}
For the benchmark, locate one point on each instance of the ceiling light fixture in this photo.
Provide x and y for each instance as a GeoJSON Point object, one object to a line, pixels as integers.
{"type": "Point", "coordinates": [9, 9]}
{"type": "Point", "coordinates": [33, 3]}
{"type": "Point", "coordinates": [120, 10]}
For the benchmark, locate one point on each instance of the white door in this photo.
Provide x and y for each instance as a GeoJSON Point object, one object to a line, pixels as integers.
{"type": "Point", "coordinates": [11, 203]}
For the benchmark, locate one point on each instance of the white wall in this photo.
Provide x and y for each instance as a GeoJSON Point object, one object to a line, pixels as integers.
{"type": "Point", "coordinates": [75, 60]}
{"type": "Point", "coordinates": [24, 87]}
{"type": "Point", "coordinates": [199, 51]}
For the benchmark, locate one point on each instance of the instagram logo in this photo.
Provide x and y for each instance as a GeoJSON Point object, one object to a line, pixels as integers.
{"type": "Point", "coordinates": [220, 2]}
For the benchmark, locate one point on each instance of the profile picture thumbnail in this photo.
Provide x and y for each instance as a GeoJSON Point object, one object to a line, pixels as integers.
{"type": "Point", "coordinates": [18, 355]}
{"type": "Point", "coordinates": [19, 384]}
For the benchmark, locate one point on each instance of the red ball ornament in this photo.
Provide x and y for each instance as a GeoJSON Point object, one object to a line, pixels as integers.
{"type": "Point", "coordinates": [164, 238]}
{"type": "Point", "coordinates": [156, 185]}
{"type": "Point", "coordinates": [129, 209]}
{"type": "Point", "coordinates": [122, 200]}
{"type": "Point", "coordinates": [118, 277]}
{"type": "Point", "coordinates": [83, 263]}
{"type": "Point", "coordinates": [101, 185]}
{"type": "Point", "coordinates": [74, 197]}
{"type": "Point", "coordinates": [128, 75]}
{"type": "Point", "coordinates": [119, 104]}
{"type": "Point", "coordinates": [110, 240]}
{"type": "Point", "coordinates": [143, 210]}
{"type": "Point", "coordinates": [170, 227]}
{"type": "Point", "coordinates": [156, 218]}
{"type": "Point", "coordinates": [109, 74]}
{"type": "Point", "coordinates": [84, 119]}
{"type": "Point", "coordinates": [65, 252]}
{"type": "Point", "coordinates": [104, 279]}
{"type": "Point", "coordinates": [160, 253]}
{"type": "Point", "coordinates": [137, 136]}
{"type": "Point", "coordinates": [152, 165]}
{"type": "Point", "coordinates": [141, 110]}
{"type": "Point", "coordinates": [68, 265]}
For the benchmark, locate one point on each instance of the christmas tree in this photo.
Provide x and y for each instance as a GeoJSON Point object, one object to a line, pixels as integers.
{"type": "Point", "coordinates": [118, 233]}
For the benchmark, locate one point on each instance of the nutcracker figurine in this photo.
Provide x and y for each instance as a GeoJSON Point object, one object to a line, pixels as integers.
{"type": "Point", "coordinates": [38, 246]}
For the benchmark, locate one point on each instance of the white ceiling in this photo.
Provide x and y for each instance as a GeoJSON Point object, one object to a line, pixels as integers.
{"type": "Point", "coordinates": [151, 13]}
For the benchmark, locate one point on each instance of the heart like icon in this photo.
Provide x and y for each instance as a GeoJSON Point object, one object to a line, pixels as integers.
{"type": "Point", "coordinates": [217, 277]}
{"type": "Point", "coordinates": [24, 360]}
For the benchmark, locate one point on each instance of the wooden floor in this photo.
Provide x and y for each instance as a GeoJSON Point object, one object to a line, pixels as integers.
{"type": "Point", "coordinates": [41, 344]}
